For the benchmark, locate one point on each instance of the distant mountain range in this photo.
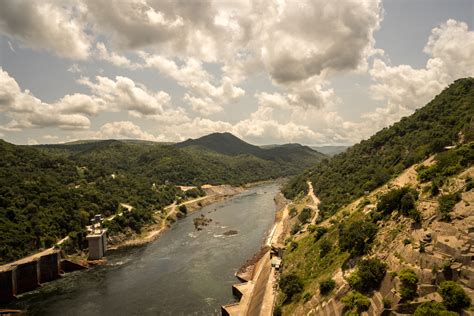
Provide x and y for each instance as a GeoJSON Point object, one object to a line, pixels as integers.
{"type": "Point", "coordinates": [228, 144]}
{"type": "Point", "coordinates": [50, 191]}
{"type": "Point", "coordinates": [330, 150]}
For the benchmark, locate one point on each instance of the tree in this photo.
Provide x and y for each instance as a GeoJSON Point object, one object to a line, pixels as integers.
{"type": "Point", "coordinates": [357, 236]}
{"type": "Point", "coordinates": [409, 284]}
{"type": "Point", "coordinates": [305, 215]}
{"type": "Point", "coordinates": [433, 308]}
{"type": "Point", "coordinates": [291, 285]}
{"type": "Point", "coordinates": [454, 296]}
{"type": "Point", "coordinates": [326, 286]}
{"type": "Point", "coordinates": [368, 276]}
{"type": "Point", "coordinates": [356, 301]}
{"type": "Point", "coordinates": [324, 248]}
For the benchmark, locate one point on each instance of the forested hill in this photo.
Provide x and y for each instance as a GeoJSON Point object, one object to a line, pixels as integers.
{"type": "Point", "coordinates": [446, 120]}
{"type": "Point", "coordinates": [228, 144]}
{"type": "Point", "coordinates": [50, 191]}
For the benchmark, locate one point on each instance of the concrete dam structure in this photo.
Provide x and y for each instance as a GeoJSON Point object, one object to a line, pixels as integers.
{"type": "Point", "coordinates": [27, 274]}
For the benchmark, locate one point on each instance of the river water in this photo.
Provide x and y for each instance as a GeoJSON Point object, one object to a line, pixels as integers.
{"type": "Point", "coordinates": [184, 272]}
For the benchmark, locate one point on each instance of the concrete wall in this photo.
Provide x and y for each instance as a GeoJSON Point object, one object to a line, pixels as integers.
{"type": "Point", "coordinates": [27, 276]}
{"type": "Point", "coordinates": [7, 285]}
{"type": "Point", "coordinates": [49, 267]}
{"type": "Point", "coordinates": [24, 276]}
{"type": "Point", "coordinates": [97, 245]}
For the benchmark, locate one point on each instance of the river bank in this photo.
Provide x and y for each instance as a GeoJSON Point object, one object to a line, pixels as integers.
{"type": "Point", "coordinates": [256, 293]}
{"type": "Point", "coordinates": [151, 232]}
{"type": "Point", "coordinates": [185, 271]}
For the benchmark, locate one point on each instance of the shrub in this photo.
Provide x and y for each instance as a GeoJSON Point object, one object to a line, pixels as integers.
{"type": "Point", "coordinates": [326, 286]}
{"type": "Point", "coordinates": [402, 200]}
{"type": "Point", "coordinates": [357, 237]}
{"type": "Point", "coordinates": [324, 248]}
{"type": "Point", "coordinates": [319, 232]}
{"type": "Point", "coordinates": [296, 228]}
{"type": "Point", "coordinates": [409, 284]}
{"type": "Point", "coordinates": [356, 301]}
{"type": "Point", "coordinates": [469, 184]}
{"type": "Point", "coordinates": [448, 201]}
{"type": "Point", "coordinates": [292, 212]}
{"type": "Point", "coordinates": [183, 209]}
{"type": "Point", "coordinates": [454, 296]}
{"type": "Point", "coordinates": [387, 303]}
{"type": "Point", "coordinates": [368, 276]}
{"type": "Point", "coordinates": [291, 285]}
{"type": "Point", "coordinates": [311, 228]}
{"type": "Point", "coordinates": [433, 308]}
{"type": "Point", "coordinates": [406, 241]}
{"type": "Point", "coordinates": [307, 296]}
{"type": "Point", "coordinates": [305, 215]}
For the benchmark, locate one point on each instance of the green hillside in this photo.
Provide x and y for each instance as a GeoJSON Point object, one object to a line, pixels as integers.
{"type": "Point", "coordinates": [445, 121]}
{"type": "Point", "coordinates": [50, 191]}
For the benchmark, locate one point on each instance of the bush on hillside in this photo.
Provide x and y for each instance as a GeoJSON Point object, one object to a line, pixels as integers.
{"type": "Point", "coordinates": [305, 215]}
{"type": "Point", "coordinates": [454, 296]}
{"type": "Point", "coordinates": [402, 200]}
{"type": "Point", "coordinates": [409, 284]}
{"type": "Point", "coordinates": [355, 301]}
{"type": "Point", "coordinates": [183, 209]}
{"type": "Point", "coordinates": [326, 286]}
{"type": "Point", "coordinates": [319, 232]}
{"type": "Point", "coordinates": [369, 274]}
{"type": "Point", "coordinates": [324, 248]}
{"type": "Point", "coordinates": [290, 285]}
{"type": "Point", "coordinates": [356, 237]}
{"type": "Point", "coordinates": [433, 308]}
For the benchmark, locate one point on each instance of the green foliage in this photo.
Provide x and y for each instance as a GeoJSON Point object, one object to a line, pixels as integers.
{"type": "Point", "coordinates": [319, 232]}
{"type": "Point", "coordinates": [402, 200]}
{"type": "Point", "coordinates": [448, 163]}
{"type": "Point", "coordinates": [293, 212]}
{"type": "Point", "coordinates": [307, 296]}
{"type": "Point", "coordinates": [433, 308]}
{"type": "Point", "coordinates": [368, 275]}
{"type": "Point", "coordinates": [183, 209]}
{"type": "Point", "coordinates": [356, 302]}
{"type": "Point", "coordinates": [291, 285]}
{"type": "Point", "coordinates": [369, 164]}
{"type": "Point", "coordinates": [48, 191]}
{"type": "Point", "coordinates": [326, 286]}
{"type": "Point", "coordinates": [295, 229]}
{"type": "Point", "coordinates": [454, 296]}
{"type": "Point", "coordinates": [469, 184]}
{"type": "Point", "coordinates": [448, 201]}
{"type": "Point", "coordinates": [357, 236]}
{"type": "Point", "coordinates": [325, 248]}
{"type": "Point", "coordinates": [409, 284]}
{"type": "Point", "coordinates": [305, 215]}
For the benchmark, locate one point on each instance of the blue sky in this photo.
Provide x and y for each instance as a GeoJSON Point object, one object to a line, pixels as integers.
{"type": "Point", "coordinates": [315, 72]}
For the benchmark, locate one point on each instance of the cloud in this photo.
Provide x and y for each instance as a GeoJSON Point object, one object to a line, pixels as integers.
{"type": "Point", "coordinates": [112, 57]}
{"type": "Point", "coordinates": [203, 96]}
{"type": "Point", "coordinates": [184, 28]}
{"type": "Point", "coordinates": [450, 49]}
{"type": "Point", "coordinates": [124, 129]}
{"type": "Point", "coordinates": [45, 25]}
{"type": "Point", "coordinates": [123, 93]}
{"type": "Point", "coordinates": [309, 38]}
{"type": "Point", "coordinates": [26, 111]}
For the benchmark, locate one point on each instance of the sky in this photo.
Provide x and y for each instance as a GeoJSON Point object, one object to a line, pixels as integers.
{"type": "Point", "coordinates": [314, 72]}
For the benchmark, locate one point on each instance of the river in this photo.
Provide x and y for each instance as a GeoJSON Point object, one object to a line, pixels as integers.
{"type": "Point", "coordinates": [184, 272]}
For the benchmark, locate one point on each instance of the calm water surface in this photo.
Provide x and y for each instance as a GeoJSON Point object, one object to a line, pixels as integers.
{"type": "Point", "coordinates": [184, 272]}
